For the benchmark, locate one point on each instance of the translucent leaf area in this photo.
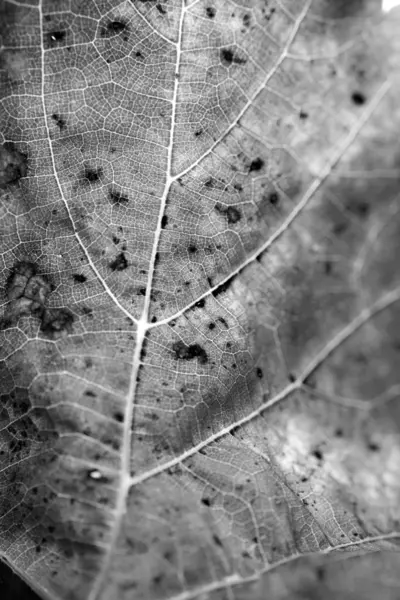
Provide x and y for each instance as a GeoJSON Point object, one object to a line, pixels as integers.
{"type": "Point", "coordinates": [200, 299]}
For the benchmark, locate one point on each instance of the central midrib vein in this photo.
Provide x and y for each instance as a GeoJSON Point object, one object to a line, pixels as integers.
{"type": "Point", "coordinates": [142, 328]}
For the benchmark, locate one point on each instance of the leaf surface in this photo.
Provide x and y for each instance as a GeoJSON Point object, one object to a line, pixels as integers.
{"type": "Point", "coordinates": [200, 290]}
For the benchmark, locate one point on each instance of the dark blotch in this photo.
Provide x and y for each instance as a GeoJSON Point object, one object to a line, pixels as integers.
{"type": "Point", "coordinates": [13, 164]}
{"type": "Point", "coordinates": [79, 278]}
{"type": "Point", "coordinates": [223, 287]}
{"type": "Point", "coordinates": [119, 263]}
{"type": "Point", "coordinates": [259, 373]}
{"type": "Point", "coordinates": [56, 321]}
{"type": "Point", "coordinates": [117, 197]}
{"type": "Point", "coordinates": [228, 57]}
{"type": "Point", "coordinates": [232, 214]}
{"type": "Point", "coordinates": [164, 221]}
{"type": "Point", "coordinates": [113, 28]}
{"type": "Point", "coordinates": [209, 183]}
{"type": "Point", "coordinates": [192, 249]}
{"type": "Point", "coordinates": [201, 303]}
{"type": "Point", "coordinates": [92, 175]}
{"type": "Point", "coordinates": [318, 454]}
{"type": "Point", "coordinates": [273, 198]}
{"type": "Point", "coordinates": [256, 164]}
{"type": "Point", "coordinates": [373, 447]}
{"type": "Point", "coordinates": [210, 12]}
{"type": "Point", "coordinates": [184, 352]}
{"type": "Point", "coordinates": [161, 9]}
{"type": "Point", "coordinates": [55, 37]}
{"type": "Point", "coordinates": [358, 98]}
{"type": "Point", "coordinates": [59, 121]}
{"type": "Point", "coordinates": [198, 132]}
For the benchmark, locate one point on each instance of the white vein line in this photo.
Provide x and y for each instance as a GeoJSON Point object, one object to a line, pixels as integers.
{"type": "Point", "coordinates": [316, 184]}
{"type": "Point", "coordinates": [339, 339]}
{"type": "Point", "coordinates": [142, 326]}
{"type": "Point", "coordinates": [363, 317]}
{"type": "Point", "coordinates": [236, 579]}
{"type": "Point", "coordinates": [250, 102]}
{"type": "Point", "coordinates": [81, 244]}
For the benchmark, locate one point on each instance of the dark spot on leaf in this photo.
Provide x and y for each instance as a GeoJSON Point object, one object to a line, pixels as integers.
{"type": "Point", "coordinates": [55, 37]}
{"type": "Point", "coordinates": [211, 326]}
{"type": "Point", "coordinates": [303, 115]}
{"type": "Point", "coordinates": [217, 540]}
{"type": "Point", "coordinates": [200, 304]}
{"type": "Point", "coordinates": [79, 278]}
{"type": "Point", "coordinates": [56, 321]}
{"type": "Point", "coordinates": [256, 164]}
{"type": "Point", "coordinates": [59, 121]}
{"type": "Point", "coordinates": [164, 221]}
{"type": "Point", "coordinates": [228, 56]}
{"type": "Point", "coordinates": [259, 373]}
{"type": "Point", "coordinates": [339, 432]}
{"type": "Point", "coordinates": [223, 287]}
{"type": "Point", "coordinates": [142, 291]}
{"type": "Point", "coordinates": [161, 9]}
{"type": "Point", "coordinates": [92, 175]}
{"type": "Point", "coordinates": [192, 249]}
{"type": "Point", "coordinates": [373, 447]}
{"type": "Point", "coordinates": [318, 454]}
{"type": "Point", "coordinates": [13, 164]}
{"type": "Point", "coordinates": [156, 259]}
{"type": "Point", "coordinates": [113, 28]}
{"type": "Point", "coordinates": [222, 320]}
{"type": "Point", "coordinates": [273, 198]}
{"type": "Point", "coordinates": [358, 98]}
{"type": "Point", "coordinates": [246, 20]}
{"type": "Point", "coordinates": [209, 183]}
{"type": "Point", "coordinates": [232, 214]}
{"type": "Point", "coordinates": [210, 12]}
{"type": "Point", "coordinates": [184, 352]}
{"type": "Point", "coordinates": [138, 54]}
{"type": "Point", "coordinates": [119, 263]}
{"type": "Point", "coordinates": [90, 394]}
{"type": "Point", "coordinates": [359, 208]}
{"type": "Point", "coordinates": [320, 573]}
{"type": "Point", "coordinates": [206, 501]}
{"type": "Point", "coordinates": [198, 132]}
{"type": "Point", "coordinates": [119, 416]}
{"type": "Point", "coordinates": [117, 197]}
{"type": "Point", "coordinates": [143, 352]}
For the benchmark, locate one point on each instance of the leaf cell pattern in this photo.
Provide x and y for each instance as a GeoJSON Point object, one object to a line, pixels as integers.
{"type": "Point", "coordinates": [200, 299]}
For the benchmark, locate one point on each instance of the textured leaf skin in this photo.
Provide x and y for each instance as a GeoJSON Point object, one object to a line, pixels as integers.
{"type": "Point", "coordinates": [200, 327]}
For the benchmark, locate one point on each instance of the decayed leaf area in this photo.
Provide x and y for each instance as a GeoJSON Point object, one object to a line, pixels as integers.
{"type": "Point", "coordinates": [200, 291]}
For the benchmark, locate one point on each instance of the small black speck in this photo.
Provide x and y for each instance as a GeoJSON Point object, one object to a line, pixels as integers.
{"type": "Point", "coordinates": [118, 416]}
{"type": "Point", "coordinates": [60, 122]}
{"type": "Point", "coordinates": [358, 98]}
{"type": "Point", "coordinates": [256, 164]}
{"type": "Point", "coordinates": [211, 326]}
{"type": "Point", "coordinates": [200, 304]}
{"type": "Point", "coordinates": [198, 132]}
{"type": "Point", "coordinates": [164, 221]}
{"type": "Point", "coordinates": [206, 501]}
{"type": "Point", "coordinates": [318, 454]}
{"type": "Point", "coordinates": [373, 447]}
{"type": "Point", "coordinates": [79, 278]}
{"type": "Point", "coordinates": [339, 432]}
{"type": "Point", "coordinates": [259, 373]}
{"type": "Point", "coordinates": [273, 198]}
{"type": "Point", "coordinates": [209, 183]}
{"type": "Point", "coordinates": [210, 12]}
{"type": "Point", "coordinates": [138, 54]}
{"type": "Point", "coordinates": [303, 115]}
{"type": "Point", "coordinates": [192, 249]}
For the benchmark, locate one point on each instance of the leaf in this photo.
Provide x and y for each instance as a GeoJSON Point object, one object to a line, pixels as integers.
{"type": "Point", "coordinates": [200, 292]}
